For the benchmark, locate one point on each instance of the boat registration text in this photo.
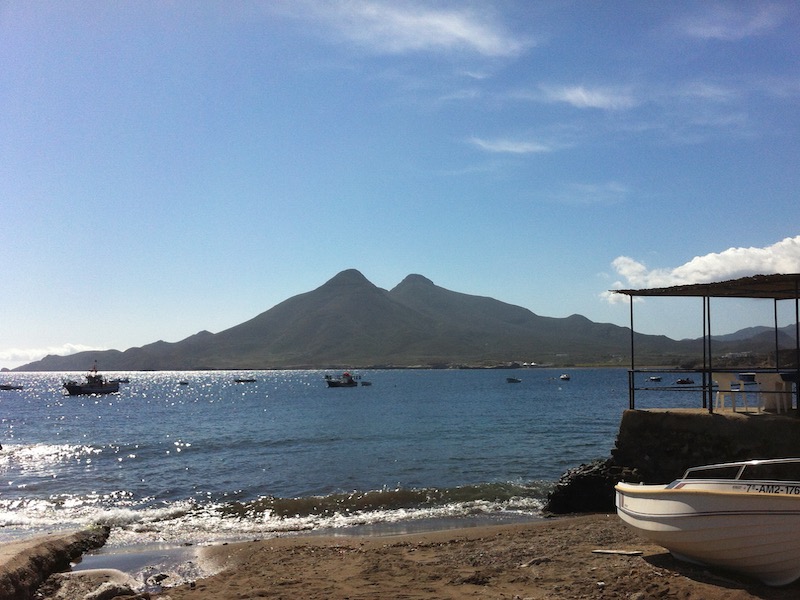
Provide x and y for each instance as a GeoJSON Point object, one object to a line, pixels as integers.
{"type": "Point", "coordinates": [773, 488]}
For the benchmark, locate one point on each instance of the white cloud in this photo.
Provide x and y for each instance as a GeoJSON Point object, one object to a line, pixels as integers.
{"type": "Point", "coordinates": [510, 146]}
{"type": "Point", "coordinates": [401, 27]}
{"type": "Point", "coordinates": [26, 355]}
{"type": "Point", "coordinates": [726, 23]}
{"type": "Point", "coordinates": [705, 90]}
{"type": "Point", "coordinates": [582, 97]}
{"type": "Point", "coordinates": [782, 257]}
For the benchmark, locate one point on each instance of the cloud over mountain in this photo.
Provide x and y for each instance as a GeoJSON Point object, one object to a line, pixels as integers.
{"type": "Point", "coordinates": [781, 257]}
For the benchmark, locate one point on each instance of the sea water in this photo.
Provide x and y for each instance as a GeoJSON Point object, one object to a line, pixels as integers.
{"type": "Point", "coordinates": [179, 458]}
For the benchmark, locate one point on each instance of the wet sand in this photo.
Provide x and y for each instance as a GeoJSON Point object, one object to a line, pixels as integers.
{"type": "Point", "coordinates": [556, 558]}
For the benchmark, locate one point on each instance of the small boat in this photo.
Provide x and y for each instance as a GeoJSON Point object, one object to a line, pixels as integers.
{"type": "Point", "coordinates": [183, 383]}
{"type": "Point", "coordinates": [367, 383]}
{"type": "Point", "coordinates": [564, 377]}
{"type": "Point", "coordinates": [95, 384]}
{"type": "Point", "coordinates": [654, 378]}
{"type": "Point", "coordinates": [346, 380]}
{"type": "Point", "coordinates": [685, 381]}
{"type": "Point", "coordinates": [740, 516]}
{"type": "Point", "coordinates": [244, 380]}
{"type": "Point", "coordinates": [8, 386]}
{"type": "Point", "coordinates": [513, 380]}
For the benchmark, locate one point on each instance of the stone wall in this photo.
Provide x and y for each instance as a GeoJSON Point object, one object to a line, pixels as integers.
{"type": "Point", "coordinates": [657, 446]}
{"type": "Point", "coordinates": [661, 445]}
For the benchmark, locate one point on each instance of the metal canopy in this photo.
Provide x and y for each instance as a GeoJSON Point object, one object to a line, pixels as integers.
{"type": "Point", "coordinates": [777, 287]}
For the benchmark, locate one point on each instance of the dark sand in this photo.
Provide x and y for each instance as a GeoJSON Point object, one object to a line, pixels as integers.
{"type": "Point", "coordinates": [549, 559]}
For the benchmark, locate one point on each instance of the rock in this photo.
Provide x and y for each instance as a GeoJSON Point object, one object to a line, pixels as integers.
{"type": "Point", "coordinates": [25, 565]}
{"type": "Point", "coordinates": [108, 591]}
{"type": "Point", "coordinates": [588, 488]}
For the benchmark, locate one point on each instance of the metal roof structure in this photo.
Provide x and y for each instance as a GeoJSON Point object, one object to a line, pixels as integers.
{"type": "Point", "coordinates": [776, 287]}
{"type": "Point", "coordinates": [773, 287]}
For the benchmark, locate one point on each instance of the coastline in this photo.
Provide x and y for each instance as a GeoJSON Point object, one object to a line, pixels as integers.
{"type": "Point", "coordinates": [551, 558]}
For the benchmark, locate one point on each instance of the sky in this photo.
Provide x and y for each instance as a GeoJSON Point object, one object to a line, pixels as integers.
{"type": "Point", "coordinates": [168, 167]}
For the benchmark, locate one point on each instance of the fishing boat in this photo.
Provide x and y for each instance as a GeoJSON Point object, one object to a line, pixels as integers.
{"type": "Point", "coordinates": [95, 384]}
{"type": "Point", "coordinates": [346, 380]}
{"type": "Point", "coordinates": [741, 516]}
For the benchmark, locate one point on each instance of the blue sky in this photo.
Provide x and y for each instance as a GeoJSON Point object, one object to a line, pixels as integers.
{"type": "Point", "coordinates": [169, 167]}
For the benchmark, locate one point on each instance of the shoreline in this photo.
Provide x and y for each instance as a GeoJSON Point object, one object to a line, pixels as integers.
{"type": "Point", "coordinates": [180, 561]}
{"type": "Point", "coordinates": [550, 558]}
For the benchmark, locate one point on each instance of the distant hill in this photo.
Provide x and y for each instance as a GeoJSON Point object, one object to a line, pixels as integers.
{"type": "Point", "coordinates": [348, 322]}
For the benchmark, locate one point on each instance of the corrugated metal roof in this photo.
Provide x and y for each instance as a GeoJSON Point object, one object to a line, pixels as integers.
{"type": "Point", "coordinates": [778, 287]}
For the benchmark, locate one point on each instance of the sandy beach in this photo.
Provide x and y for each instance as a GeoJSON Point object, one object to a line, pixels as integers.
{"type": "Point", "coordinates": [593, 556]}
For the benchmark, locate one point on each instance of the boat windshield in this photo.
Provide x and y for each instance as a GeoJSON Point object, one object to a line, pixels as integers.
{"type": "Point", "coordinates": [783, 471]}
{"type": "Point", "coordinates": [767, 470]}
{"type": "Point", "coordinates": [718, 472]}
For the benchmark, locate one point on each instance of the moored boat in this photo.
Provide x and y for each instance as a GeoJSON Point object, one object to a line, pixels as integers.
{"type": "Point", "coordinates": [346, 380]}
{"type": "Point", "coordinates": [741, 516]}
{"type": "Point", "coordinates": [95, 384]}
{"type": "Point", "coordinates": [513, 380]}
{"type": "Point", "coordinates": [564, 377]}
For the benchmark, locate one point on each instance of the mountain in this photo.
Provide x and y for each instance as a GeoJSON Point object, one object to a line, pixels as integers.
{"type": "Point", "coordinates": [349, 322]}
{"type": "Point", "coordinates": [786, 333]}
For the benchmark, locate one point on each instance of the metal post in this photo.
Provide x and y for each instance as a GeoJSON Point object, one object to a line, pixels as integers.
{"type": "Point", "coordinates": [797, 344]}
{"type": "Point", "coordinates": [777, 349]}
{"type": "Point", "coordinates": [631, 376]}
{"type": "Point", "coordinates": [708, 399]}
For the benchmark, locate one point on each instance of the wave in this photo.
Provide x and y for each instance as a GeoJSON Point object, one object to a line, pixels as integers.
{"type": "Point", "coordinates": [386, 499]}
{"type": "Point", "coordinates": [194, 522]}
{"type": "Point", "coordinates": [271, 516]}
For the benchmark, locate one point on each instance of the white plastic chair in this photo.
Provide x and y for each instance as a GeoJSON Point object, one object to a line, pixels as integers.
{"type": "Point", "coordinates": [725, 383]}
{"type": "Point", "coordinates": [772, 392]}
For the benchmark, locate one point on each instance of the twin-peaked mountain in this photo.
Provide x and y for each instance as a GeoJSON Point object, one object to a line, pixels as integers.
{"type": "Point", "coordinates": [349, 322]}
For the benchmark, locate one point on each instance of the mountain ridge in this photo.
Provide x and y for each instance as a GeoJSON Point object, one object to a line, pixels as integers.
{"type": "Point", "coordinates": [349, 322]}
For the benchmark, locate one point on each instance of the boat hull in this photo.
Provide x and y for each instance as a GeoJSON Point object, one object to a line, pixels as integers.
{"type": "Point", "coordinates": [78, 389]}
{"type": "Point", "coordinates": [338, 383]}
{"type": "Point", "coordinates": [749, 532]}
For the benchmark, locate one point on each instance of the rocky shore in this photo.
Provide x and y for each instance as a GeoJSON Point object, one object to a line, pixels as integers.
{"type": "Point", "coordinates": [26, 564]}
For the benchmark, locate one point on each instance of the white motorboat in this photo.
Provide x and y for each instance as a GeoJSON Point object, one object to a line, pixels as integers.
{"type": "Point", "coordinates": [741, 516]}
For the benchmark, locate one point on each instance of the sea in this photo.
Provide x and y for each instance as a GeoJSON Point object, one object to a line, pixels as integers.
{"type": "Point", "coordinates": [185, 459]}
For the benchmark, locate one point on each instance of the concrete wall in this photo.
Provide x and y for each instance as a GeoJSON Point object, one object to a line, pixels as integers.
{"type": "Point", "coordinates": [661, 444]}
{"type": "Point", "coordinates": [657, 446]}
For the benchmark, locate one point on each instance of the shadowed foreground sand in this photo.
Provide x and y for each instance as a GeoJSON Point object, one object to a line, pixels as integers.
{"type": "Point", "coordinates": [552, 559]}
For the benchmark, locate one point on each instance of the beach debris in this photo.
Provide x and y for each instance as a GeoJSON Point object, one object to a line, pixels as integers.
{"type": "Point", "coordinates": [536, 561]}
{"type": "Point", "coordinates": [109, 590]}
{"type": "Point", "coordinates": [619, 552]}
